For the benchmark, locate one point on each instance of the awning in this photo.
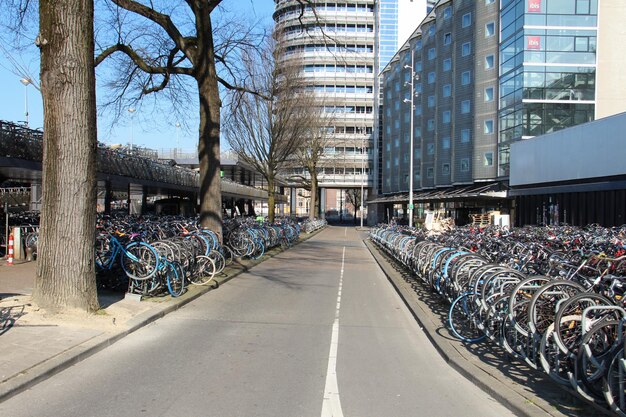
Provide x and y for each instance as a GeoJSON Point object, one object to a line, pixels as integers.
{"type": "Point", "coordinates": [493, 190]}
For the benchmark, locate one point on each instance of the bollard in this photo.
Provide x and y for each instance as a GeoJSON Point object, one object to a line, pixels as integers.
{"type": "Point", "coordinates": [10, 252]}
{"type": "Point", "coordinates": [29, 254]}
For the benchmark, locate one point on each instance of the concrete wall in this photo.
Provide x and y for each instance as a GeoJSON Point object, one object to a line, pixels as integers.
{"type": "Point", "coordinates": [591, 150]}
{"type": "Point", "coordinates": [610, 76]}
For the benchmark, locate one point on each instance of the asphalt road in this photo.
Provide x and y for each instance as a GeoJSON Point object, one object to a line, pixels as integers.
{"type": "Point", "coordinates": [315, 331]}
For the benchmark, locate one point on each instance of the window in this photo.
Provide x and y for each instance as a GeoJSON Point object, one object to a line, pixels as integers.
{"type": "Point", "coordinates": [489, 94]}
{"type": "Point", "coordinates": [465, 165]}
{"type": "Point", "coordinates": [430, 172]}
{"type": "Point", "coordinates": [466, 49]}
{"type": "Point", "coordinates": [431, 124]}
{"type": "Point", "coordinates": [488, 160]}
{"type": "Point", "coordinates": [432, 53]}
{"type": "Point", "coordinates": [430, 149]}
{"type": "Point", "coordinates": [467, 19]}
{"type": "Point", "coordinates": [431, 30]}
{"type": "Point", "coordinates": [488, 127]}
{"type": "Point", "coordinates": [466, 77]}
{"type": "Point", "coordinates": [490, 29]}
{"type": "Point", "coordinates": [445, 169]}
{"type": "Point", "coordinates": [490, 1]}
{"type": "Point", "coordinates": [447, 64]}
{"type": "Point", "coordinates": [445, 142]}
{"type": "Point", "coordinates": [447, 90]}
{"type": "Point", "coordinates": [447, 12]}
{"type": "Point", "coordinates": [431, 101]}
{"type": "Point", "coordinates": [431, 77]}
{"type": "Point", "coordinates": [489, 62]}
{"type": "Point", "coordinates": [465, 106]}
{"type": "Point", "coordinates": [445, 117]}
{"type": "Point", "coordinates": [447, 38]}
{"type": "Point", "coordinates": [465, 135]}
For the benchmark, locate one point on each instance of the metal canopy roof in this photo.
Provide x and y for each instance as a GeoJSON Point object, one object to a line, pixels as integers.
{"type": "Point", "coordinates": [491, 190]}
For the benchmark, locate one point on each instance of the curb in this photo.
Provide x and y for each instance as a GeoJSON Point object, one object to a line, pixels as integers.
{"type": "Point", "coordinates": [75, 354]}
{"type": "Point", "coordinates": [520, 401]}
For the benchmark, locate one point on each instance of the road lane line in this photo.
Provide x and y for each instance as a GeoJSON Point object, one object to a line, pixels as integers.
{"type": "Point", "coordinates": [331, 405]}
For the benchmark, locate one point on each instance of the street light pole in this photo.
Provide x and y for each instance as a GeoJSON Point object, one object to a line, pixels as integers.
{"type": "Point", "coordinates": [131, 110]}
{"type": "Point", "coordinates": [411, 156]}
{"type": "Point", "coordinates": [26, 81]}
{"type": "Point", "coordinates": [362, 171]}
{"type": "Point", "coordinates": [177, 139]}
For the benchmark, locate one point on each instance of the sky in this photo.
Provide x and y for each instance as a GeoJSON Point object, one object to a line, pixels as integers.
{"type": "Point", "coordinates": [143, 129]}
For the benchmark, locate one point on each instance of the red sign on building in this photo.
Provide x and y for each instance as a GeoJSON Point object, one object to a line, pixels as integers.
{"type": "Point", "coordinates": [533, 42]}
{"type": "Point", "coordinates": [534, 6]}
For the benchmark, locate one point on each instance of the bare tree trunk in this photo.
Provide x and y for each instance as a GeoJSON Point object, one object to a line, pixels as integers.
{"type": "Point", "coordinates": [313, 205]}
{"type": "Point", "coordinates": [271, 201]}
{"type": "Point", "coordinates": [209, 156]}
{"type": "Point", "coordinates": [209, 143]}
{"type": "Point", "coordinates": [65, 271]}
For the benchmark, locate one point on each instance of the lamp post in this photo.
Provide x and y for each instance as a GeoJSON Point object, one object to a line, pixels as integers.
{"type": "Point", "coordinates": [177, 139]}
{"type": "Point", "coordinates": [26, 81]}
{"type": "Point", "coordinates": [131, 110]}
{"type": "Point", "coordinates": [362, 171]}
{"type": "Point", "coordinates": [411, 156]}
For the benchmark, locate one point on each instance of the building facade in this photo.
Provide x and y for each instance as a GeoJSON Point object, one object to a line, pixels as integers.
{"type": "Point", "coordinates": [339, 46]}
{"type": "Point", "coordinates": [486, 74]}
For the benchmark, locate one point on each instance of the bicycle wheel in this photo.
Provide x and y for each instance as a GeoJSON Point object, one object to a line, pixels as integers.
{"type": "Point", "coordinates": [175, 278]}
{"type": "Point", "coordinates": [140, 261]}
{"type": "Point", "coordinates": [204, 271]}
{"type": "Point", "coordinates": [598, 346]}
{"type": "Point", "coordinates": [615, 384]}
{"type": "Point", "coordinates": [218, 259]}
{"type": "Point", "coordinates": [461, 318]}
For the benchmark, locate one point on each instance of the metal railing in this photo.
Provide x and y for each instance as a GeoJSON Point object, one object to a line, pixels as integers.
{"type": "Point", "coordinates": [20, 142]}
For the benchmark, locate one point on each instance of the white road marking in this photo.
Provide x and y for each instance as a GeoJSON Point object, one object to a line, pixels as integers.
{"type": "Point", "coordinates": [331, 406]}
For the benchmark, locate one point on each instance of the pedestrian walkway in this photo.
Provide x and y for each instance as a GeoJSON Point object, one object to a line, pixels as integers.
{"type": "Point", "coordinates": [36, 345]}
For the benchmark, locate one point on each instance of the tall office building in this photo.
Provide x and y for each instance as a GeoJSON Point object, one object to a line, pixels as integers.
{"type": "Point", "coordinates": [339, 45]}
{"type": "Point", "coordinates": [487, 74]}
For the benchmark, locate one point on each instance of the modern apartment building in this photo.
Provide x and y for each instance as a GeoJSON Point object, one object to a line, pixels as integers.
{"type": "Point", "coordinates": [489, 73]}
{"type": "Point", "coordinates": [339, 46]}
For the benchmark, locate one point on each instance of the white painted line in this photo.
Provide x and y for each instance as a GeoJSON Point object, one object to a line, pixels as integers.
{"type": "Point", "coordinates": [331, 405]}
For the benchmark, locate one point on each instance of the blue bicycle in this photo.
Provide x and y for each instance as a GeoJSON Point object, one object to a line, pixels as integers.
{"type": "Point", "coordinates": [139, 260]}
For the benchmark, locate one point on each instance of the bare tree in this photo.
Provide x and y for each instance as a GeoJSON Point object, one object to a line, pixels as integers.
{"type": "Point", "coordinates": [157, 43]}
{"type": "Point", "coordinates": [65, 270]}
{"type": "Point", "coordinates": [312, 152]}
{"type": "Point", "coordinates": [266, 129]}
{"type": "Point", "coordinates": [353, 197]}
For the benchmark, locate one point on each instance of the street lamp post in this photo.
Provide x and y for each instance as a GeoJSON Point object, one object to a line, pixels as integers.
{"type": "Point", "coordinates": [362, 171]}
{"type": "Point", "coordinates": [26, 81]}
{"type": "Point", "coordinates": [411, 156]}
{"type": "Point", "coordinates": [131, 110]}
{"type": "Point", "coordinates": [177, 138]}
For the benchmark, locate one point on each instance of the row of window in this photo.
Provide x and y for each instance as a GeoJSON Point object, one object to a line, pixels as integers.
{"type": "Point", "coordinates": [329, 171]}
{"type": "Point", "coordinates": [341, 89]}
{"type": "Point", "coordinates": [358, 69]}
{"type": "Point", "coordinates": [333, 48]}
{"type": "Point", "coordinates": [347, 109]}
{"type": "Point", "coordinates": [464, 166]}
{"type": "Point", "coordinates": [351, 150]}
{"type": "Point", "coordinates": [329, 27]}
{"type": "Point", "coordinates": [350, 129]}
{"type": "Point", "coordinates": [328, 7]}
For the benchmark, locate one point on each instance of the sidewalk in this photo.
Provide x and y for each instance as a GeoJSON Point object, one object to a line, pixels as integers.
{"type": "Point", "coordinates": [526, 392]}
{"type": "Point", "coordinates": [36, 345]}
